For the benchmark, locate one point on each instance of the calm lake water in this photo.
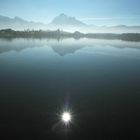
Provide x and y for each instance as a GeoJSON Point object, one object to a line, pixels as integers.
{"type": "Point", "coordinates": [97, 80]}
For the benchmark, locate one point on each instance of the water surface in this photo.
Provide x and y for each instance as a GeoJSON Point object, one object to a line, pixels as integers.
{"type": "Point", "coordinates": [99, 80]}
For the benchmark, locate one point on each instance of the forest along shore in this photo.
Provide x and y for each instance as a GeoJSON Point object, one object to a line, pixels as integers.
{"type": "Point", "coordinates": [56, 34]}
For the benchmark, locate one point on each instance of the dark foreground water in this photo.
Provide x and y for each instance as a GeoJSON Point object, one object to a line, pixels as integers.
{"type": "Point", "coordinates": [97, 80]}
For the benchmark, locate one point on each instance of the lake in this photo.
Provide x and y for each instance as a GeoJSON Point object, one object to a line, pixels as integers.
{"type": "Point", "coordinates": [98, 81]}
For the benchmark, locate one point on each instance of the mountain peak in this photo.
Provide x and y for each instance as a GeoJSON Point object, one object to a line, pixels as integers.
{"type": "Point", "coordinates": [64, 20]}
{"type": "Point", "coordinates": [62, 15]}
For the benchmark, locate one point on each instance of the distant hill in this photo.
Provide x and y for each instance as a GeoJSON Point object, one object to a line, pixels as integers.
{"type": "Point", "coordinates": [18, 23]}
{"type": "Point", "coordinates": [65, 20]}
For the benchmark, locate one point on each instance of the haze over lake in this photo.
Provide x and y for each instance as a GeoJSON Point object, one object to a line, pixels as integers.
{"type": "Point", "coordinates": [97, 79]}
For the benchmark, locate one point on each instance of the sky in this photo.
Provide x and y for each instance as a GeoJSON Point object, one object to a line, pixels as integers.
{"type": "Point", "coordinates": [97, 12]}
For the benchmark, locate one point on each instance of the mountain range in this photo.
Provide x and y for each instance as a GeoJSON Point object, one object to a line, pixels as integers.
{"type": "Point", "coordinates": [18, 23]}
{"type": "Point", "coordinates": [64, 22]}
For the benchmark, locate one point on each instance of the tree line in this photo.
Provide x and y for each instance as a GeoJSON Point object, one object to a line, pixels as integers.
{"type": "Point", "coordinates": [57, 34]}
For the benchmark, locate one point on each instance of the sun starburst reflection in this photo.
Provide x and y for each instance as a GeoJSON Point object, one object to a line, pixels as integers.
{"type": "Point", "coordinates": [66, 117]}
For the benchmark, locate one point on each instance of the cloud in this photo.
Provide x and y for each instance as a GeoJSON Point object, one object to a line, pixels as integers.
{"type": "Point", "coordinates": [108, 18]}
{"type": "Point", "coordinates": [90, 18]}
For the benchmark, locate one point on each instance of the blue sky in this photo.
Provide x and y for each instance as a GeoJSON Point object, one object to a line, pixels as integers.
{"type": "Point", "coordinates": [98, 12]}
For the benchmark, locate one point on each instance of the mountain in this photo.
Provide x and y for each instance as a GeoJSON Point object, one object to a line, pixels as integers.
{"type": "Point", "coordinates": [18, 23]}
{"type": "Point", "coordinates": [64, 20]}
